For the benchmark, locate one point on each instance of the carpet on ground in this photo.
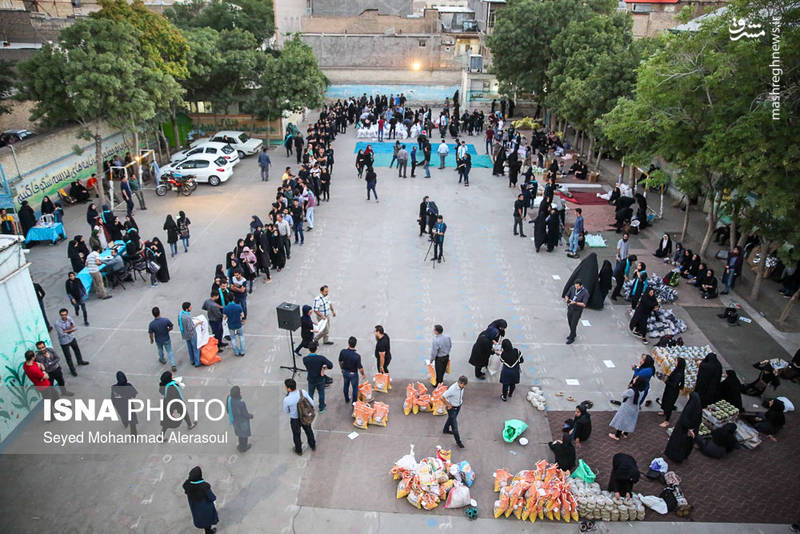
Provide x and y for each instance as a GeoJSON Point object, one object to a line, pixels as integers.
{"type": "Point", "coordinates": [584, 198]}
{"type": "Point", "coordinates": [383, 154]}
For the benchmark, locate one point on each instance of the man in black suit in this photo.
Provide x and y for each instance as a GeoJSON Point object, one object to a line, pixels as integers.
{"type": "Point", "coordinates": [423, 215]}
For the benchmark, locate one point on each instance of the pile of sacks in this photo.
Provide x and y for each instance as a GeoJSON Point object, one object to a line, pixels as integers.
{"type": "Point", "coordinates": [540, 493]}
{"type": "Point", "coordinates": [419, 400]}
{"type": "Point", "coordinates": [664, 292]}
{"type": "Point", "coordinates": [599, 505]}
{"type": "Point", "coordinates": [663, 323]}
{"type": "Point", "coordinates": [366, 411]}
{"type": "Point", "coordinates": [433, 480]}
{"type": "Point", "coordinates": [536, 398]}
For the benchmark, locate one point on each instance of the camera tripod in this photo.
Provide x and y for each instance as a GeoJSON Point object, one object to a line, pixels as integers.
{"type": "Point", "coordinates": [441, 256]}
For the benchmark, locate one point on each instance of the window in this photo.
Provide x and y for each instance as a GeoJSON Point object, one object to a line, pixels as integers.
{"type": "Point", "coordinates": [219, 140]}
{"type": "Point", "coordinates": [194, 151]}
{"type": "Point", "coordinates": [221, 161]}
{"type": "Point", "coordinates": [201, 164]}
{"type": "Point", "coordinates": [211, 150]}
{"type": "Point", "coordinates": [187, 165]}
{"type": "Point", "coordinates": [422, 43]}
{"type": "Point", "coordinates": [243, 138]}
{"type": "Point", "coordinates": [227, 149]}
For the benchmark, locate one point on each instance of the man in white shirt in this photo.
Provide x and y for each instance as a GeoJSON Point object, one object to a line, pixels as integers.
{"type": "Point", "coordinates": [290, 407]}
{"type": "Point", "coordinates": [443, 150]}
{"type": "Point", "coordinates": [453, 398]}
{"type": "Point", "coordinates": [93, 264]}
{"type": "Point", "coordinates": [323, 309]}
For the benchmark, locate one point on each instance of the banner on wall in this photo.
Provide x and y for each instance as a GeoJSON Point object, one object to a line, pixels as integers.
{"type": "Point", "coordinates": [48, 178]}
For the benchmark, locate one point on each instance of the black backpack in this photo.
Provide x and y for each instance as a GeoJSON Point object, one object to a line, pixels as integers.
{"type": "Point", "coordinates": [730, 314]}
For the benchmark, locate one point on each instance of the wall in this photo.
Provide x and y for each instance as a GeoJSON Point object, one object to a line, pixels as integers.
{"type": "Point", "coordinates": [48, 162]}
{"type": "Point", "coordinates": [365, 75]}
{"type": "Point", "coordinates": [355, 7]}
{"type": "Point", "coordinates": [384, 51]}
{"type": "Point", "coordinates": [373, 21]}
{"type": "Point", "coordinates": [288, 17]}
{"type": "Point", "coordinates": [22, 326]}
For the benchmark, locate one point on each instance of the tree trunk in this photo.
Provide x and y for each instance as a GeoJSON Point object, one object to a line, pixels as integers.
{"type": "Point", "coordinates": [733, 234]}
{"type": "Point", "coordinates": [166, 144]}
{"type": "Point", "coordinates": [590, 151]}
{"type": "Point", "coordinates": [762, 269]}
{"type": "Point", "coordinates": [685, 218]}
{"type": "Point", "coordinates": [98, 154]}
{"type": "Point", "coordinates": [661, 206]}
{"type": "Point", "coordinates": [711, 218]}
{"type": "Point", "coordinates": [789, 306]}
{"type": "Point", "coordinates": [599, 155]}
{"type": "Point", "coordinates": [136, 151]}
{"type": "Point", "coordinates": [176, 133]}
{"type": "Point", "coordinates": [742, 239]}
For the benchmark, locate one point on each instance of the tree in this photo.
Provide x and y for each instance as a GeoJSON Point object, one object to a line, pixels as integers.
{"type": "Point", "coordinates": [254, 16]}
{"type": "Point", "coordinates": [6, 84]}
{"type": "Point", "coordinates": [239, 71]}
{"type": "Point", "coordinates": [96, 72]}
{"type": "Point", "coordinates": [203, 59]}
{"type": "Point", "coordinates": [290, 82]}
{"type": "Point", "coordinates": [522, 40]}
{"type": "Point", "coordinates": [162, 42]}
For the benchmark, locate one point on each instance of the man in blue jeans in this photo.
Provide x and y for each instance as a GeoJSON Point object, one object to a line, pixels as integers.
{"type": "Point", "coordinates": [159, 330]}
{"type": "Point", "coordinates": [315, 365]}
{"type": "Point", "coordinates": [297, 221]}
{"type": "Point", "coordinates": [350, 362]}
{"type": "Point", "coordinates": [188, 333]}
{"type": "Point", "coordinates": [233, 312]}
{"type": "Point", "coordinates": [577, 230]}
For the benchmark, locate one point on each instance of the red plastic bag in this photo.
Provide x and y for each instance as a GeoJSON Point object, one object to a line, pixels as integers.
{"type": "Point", "coordinates": [208, 353]}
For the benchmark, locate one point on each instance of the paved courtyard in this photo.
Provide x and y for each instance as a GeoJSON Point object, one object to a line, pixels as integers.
{"type": "Point", "coordinates": [370, 256]}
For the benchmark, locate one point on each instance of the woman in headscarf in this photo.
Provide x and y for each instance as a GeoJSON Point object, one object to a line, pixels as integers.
{"type": "Point", "coordinates": [130, 223]}
{"type": "Point", "coordinates": [27, 218]}
{"type": "Point", "coordinates": [624, 474]}
{"type": "Point", "coordinates": [498, 324]}
{"type": "Point", "coordinates": [277, 254]}
{"type": "Point", "coordinates": [255, 223]}
{"type": "Point", "coordinates": [237, 250]}
{"type": "Point", "coordinates": [115, 229]}
{"type": "Point", "coordinates": [708, 286]}
{"type": "Point", "coordinates": [624, 421]}
{"type": "Point", "coordinates": [647, 304]}
{"type": "Point", "coordinates": [513, 166]}
{"type": "Point", "coordinates": [638, 288]}
{"type": "Point", "coordinates": [771, 421]}
{"type": "Point", "coordinates": [689, 266]}
{"type": "Point", "coordinates": [77, 252]}
{"type": "Point", "coordinates": [721, 441]}
{"type": "Point", "coordinates": [306, 329]}
{"type": "Point", "coordinates": [106, 215]}
{"type": "Point", "coordinates": [91, 215]}
{"type": "Point", "coordinates": [605, 280]}
{"type": "Point", "coordinates": [643, 373]}
{"type": "Point", "coordinates": [262, 252]}
{"type": "Point", "coordinates": [201, 501]}
{"type": "Point", "coordinates": [681, 441]}
{"type": "Point", "coordinates": [564, 452]}
{"type": "Point", "coordinates": [121, 394]}
{"type": "Point", "coordinates": [98, 238]}
{"type": "Point", "coordinates": [700, 275]}
{"type": "Point", "coordinates": [730, 389]}
{"type": "Point", "coordinates": [248, 264]}
{"type": "Point", "coordinates": [172, 392]}
{"type": "Point", "coordinates": [161, 259]}
{"type": "Point", "coordinates": [766, 377]}
{"type": "Point", "coordinates": [482, 350]}
{"type": "Point", "coordinates": [172, 234]}
{"type": "Point", "coordinates": [235, 267]}
{"type": "Point", "coordinates": [553, 222]}
{"type": "Point", "coordinates": [47, 207]}
{"type": "Point", "coordinates": [239, 417]}
{"type": "Point", "coordinates": [664, 249]}
{"type": "Point", "coordinates": [219, 272]}
{"type": "Point", "coordinates": [499, 160]}
{"type": "Point", "coordinates": [615, 194]}
{"type": "Point", "coordinates": [250, 242]}
{"type": "Point", "coordinates": [360, 162]}
{"type": "Point", "coordinates": [509, 373]}
{"type": "Point", "coordinates": [709, 374]}
{"type": "Point", "coordinates": [540, 227]}
{"type": "Point", "coordinates": [183, 223]}
{"type": "Point", "coordinates": [580, 427]}
{"type": "Point", "coordinates": [674, 384]}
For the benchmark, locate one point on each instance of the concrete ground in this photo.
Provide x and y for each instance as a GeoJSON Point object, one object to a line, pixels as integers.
{"type": "Point", "coordinates": [370, 256]}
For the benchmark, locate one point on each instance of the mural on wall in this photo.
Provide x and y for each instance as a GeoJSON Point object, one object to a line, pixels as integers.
{"type": "Point", "coordinates": [59, 172]}
{"type": "Point", "coordinates": [422, 93]}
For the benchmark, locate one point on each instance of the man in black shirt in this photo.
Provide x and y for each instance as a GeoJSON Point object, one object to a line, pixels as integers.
{"type": "Point", "coordinates": [519, 208]}
{"type": "Point", "coordinates": [315, 365]}
{"type": "Point", "coordinates": [576, 300]}
{"type": "Point", "coordinates": [383, 354]}
{"type": "Point", "coordinates": [350, 362]}
{"type": "Point", "coordinates": [297, 218]}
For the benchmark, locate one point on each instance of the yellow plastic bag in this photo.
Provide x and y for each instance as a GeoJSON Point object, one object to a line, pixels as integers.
{"type": "Point", "coordinates": [380, 414]}
{"type": "Point", "coordinates": [362, 415]}
{"type": "Point", "coordinates": [365, 392]}
{"type": "Point", "coordinates": [432, 373]}
{"type": "Point", "coordinates": [382, 382]}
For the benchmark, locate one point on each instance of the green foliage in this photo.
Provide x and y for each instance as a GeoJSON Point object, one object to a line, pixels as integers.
{"type": "Point", "coordinates": [290, 82]}
{"type": "Point", "coordinates": [526, 123]}
{"type": "Point", "coordinates": [203, 61]}
{"type": "Point", "coordinates": [161, 42]}
{"type": "Point", "coordinates": [254, 16]}
{"type": "Point", "coordinates": [6, 84]}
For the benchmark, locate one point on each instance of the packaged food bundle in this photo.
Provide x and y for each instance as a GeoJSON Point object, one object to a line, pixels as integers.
{"type": "Point", "coordinates": [438, 391]}
{"type": "Point", "coordinates": [429, 500]}
{"type": "Point", "coordinates": [467, 474]}
{"type": "Point", "coordinates": [501, 504]}
{"type": "Point", "coordinates": [411, 395]}
{"type": "Point", "coordinates": [358, 404]}
{"type": "Point", "coordinates": [362, 414]}
{"type": "Point", "coordinates": [459, 497]}
{"type": "Point", "coordinates": [365, 392]}
{"type": "Point", "coordinates": [501, 479]}
{"type": "Point", "coordinates": [380, 414]}
{"type": "Point", "coordinates": [382, 382]}
{"type": "Point", "coordinates": [438, 407]}
{"type": "Point", "coordinates": [405, 485]}
{"type": "Point", "coordinates": [432, 373]}
{"type": "Point", "coordinates": [422, 403]}
{"type": "Point", "coordinates": [415, 498]}
{"type": "Point", "coordinates": [421, 389]}
{"type": "Point", "coordinates": [444, 454]}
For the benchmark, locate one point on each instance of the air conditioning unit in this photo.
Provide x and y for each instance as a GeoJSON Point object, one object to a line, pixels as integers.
{"type": "Point", "coordinates": [476, 63]}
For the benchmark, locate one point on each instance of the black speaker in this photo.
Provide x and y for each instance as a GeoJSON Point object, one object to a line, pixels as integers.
{"type": "Point", "coordinates": [288, 316]}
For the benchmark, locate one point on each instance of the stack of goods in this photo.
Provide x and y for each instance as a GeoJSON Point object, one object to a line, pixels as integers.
{"type": "Point", "coordinates": [370, 414]}
{"type": "Point", "coordinates": [720, 413]}
{"type": "Point", "coordinates": [419, 400]}
{"type": "Point", "coordinates": [596, 504]}
{"type": "Point", "coordinates": [536, 398]}
{"type": "Point", "coordinates": [595, 241]}
{"type": "Point", "coordinates": [432, 480]}
{"type": "Point", "coordinates": [664, 292]}
{"type": "Point", "coordinates": [540, 493]}
{"type": "Point", "coordinates": [663, 323]}
{"type": "Point", "coordinates": [665, 359]}
{"type": "Point", "coordinates": [383, 382]}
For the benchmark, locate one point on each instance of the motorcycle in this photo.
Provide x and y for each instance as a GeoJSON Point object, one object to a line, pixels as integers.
{"type": "Point", "coordinates": [182, 184]}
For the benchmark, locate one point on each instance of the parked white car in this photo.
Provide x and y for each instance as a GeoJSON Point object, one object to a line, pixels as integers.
{"type": "Point", "coordinates": [206, 168]}
{"type": "Point", "coordinates": [244, 144]}
{"type": "Point", "coordinates": [221, 149]}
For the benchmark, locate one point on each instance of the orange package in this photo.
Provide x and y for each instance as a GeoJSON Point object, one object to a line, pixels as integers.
{"type": "Point", "coordinates": [380, 414]}
{"type": "Point", "coordinates": [359, 404]}
{"type": "Point", "coordinates": [383, 382]}
{"type": "Point", "coordinates": [432, 373]}
{"type": "Point", "coordinates": [501, 479]}
{"type": "Point", "coordinates": [438, 391]}
{"type": "Point", "coordinates": [423, 403]}
{"type": "Point", "coordinates": [365, 392]}
{"type": "Point", "coordinates": [362, 415]}
{"type": "Point", "coordinates": [209, 352]}
{"type": "Point", "coordinates": [421, 389]}
{"type": "Point", "coordinates": [438, 406]}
